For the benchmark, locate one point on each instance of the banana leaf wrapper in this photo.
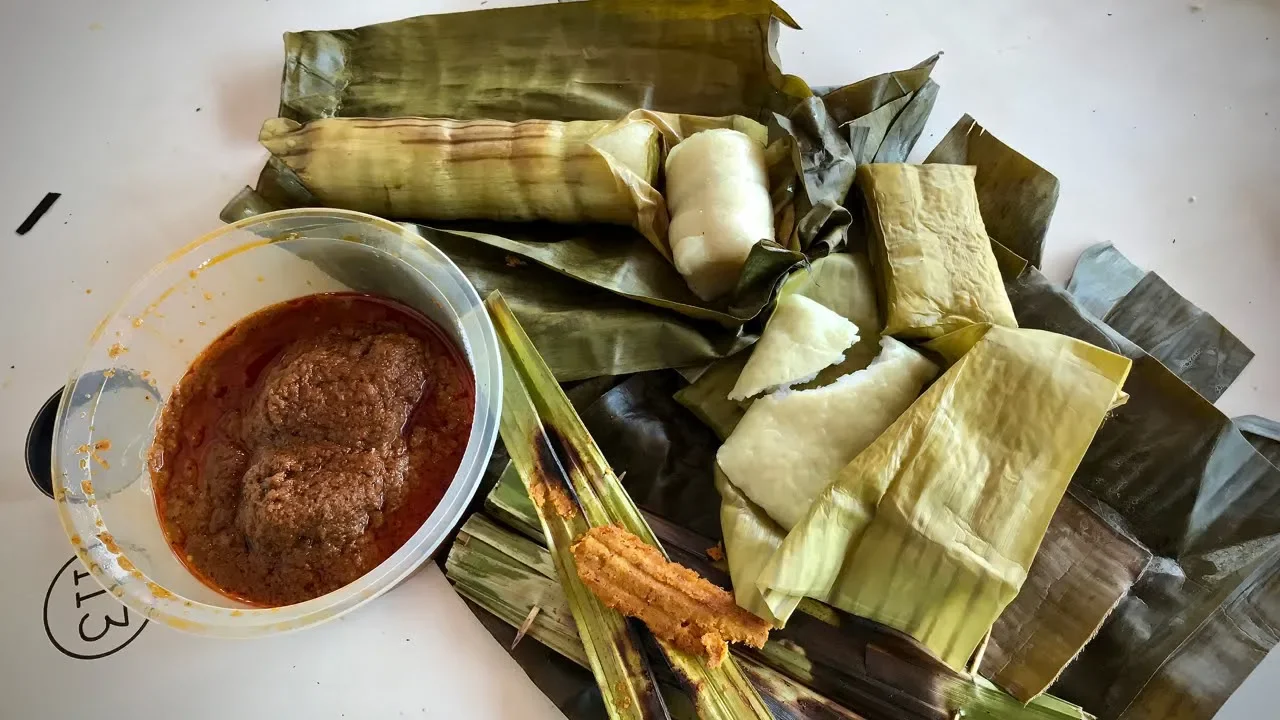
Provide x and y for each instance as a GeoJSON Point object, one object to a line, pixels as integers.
{"type": "Point", "coordinates": [1262, 434]}
{"type": "Point", "coordinates": [511, 577]}
{"type": "Point", "coordinates": [531, 171]}
{"type": "Point", "coordinates": [1016, 195]}
{"type": "Point", "coordinates": [936, 271]}
{"type": "Point", "coordinates": [592, 61]}
{"type": "Point", "coordinates": [878, 119]}
{"type": "Point", "coordinates": [868, 668]}
{"type": "Point", "coordinates": [1084, 568]}
{"type": "Point", "coordinates": [443, 169]}
{"type": "Point", "coordinates": [1173, 472]}
{"type": "Point", "coordinates": [842, 282]}
{"type": "Point", "coordinates": [1145, 309]}
{"type": "Point", "coordinates": [570, 61]}
{"type": "Point", "coordinates": [932, 529]}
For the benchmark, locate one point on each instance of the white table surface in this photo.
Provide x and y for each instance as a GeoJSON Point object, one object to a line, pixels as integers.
{"type": "Point", "coordinates": [1162, 119]}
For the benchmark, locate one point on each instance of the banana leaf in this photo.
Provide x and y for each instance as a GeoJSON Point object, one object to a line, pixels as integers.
{"type": "Point", "coordinates": [1016, 195]}
{"type": "Point", "coordinates": [933, 527]}
{"type": "Point", "coordinates": [857, 100]}
{"type": "Point", "coordinates": [826, 164]}
{"type": "Point", "coordinates": [511, 577]}
{"type": "Point", "coordinates": [582, 331]}
{"type": "Point", "coordinates": [874, 120]}
{"type": "Point", "coordinates": [842, 282]}
{"type": "Point", "coordinates": [871, 669]}
{"type": "Point", "coordinates": [708, 396]}
{"type": "Point", "coordinates": [571, 61]}
{"type": "Point", "coordinates": [1184, 480]}
{"type": "Point", "coordinates": [596, 60]}
{"type": "Point", "coordinates": [1083, 570]}
{"type": "Point", "coordinates": [1142, 307]}
{"type": "Point", "coordinates": [643, 431]}
{"type": "Point", "coordinates": [1263, 434]}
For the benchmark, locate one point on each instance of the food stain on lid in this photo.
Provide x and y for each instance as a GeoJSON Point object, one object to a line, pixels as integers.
{"type": "Point", "coordinates": [93, 452]}
{"type": "Point", "coordinates": [208, 296]}
{"type": "Point", "coordinates": [161, 593]}
{"type": "Point", "coordinates": [109, 542]}
{"type": "Point", "coordinates": [116, 350]}
{"type": "Point", "coordinates": [125, 564]}
{"type": "Point", "coordinates": [87, 486]}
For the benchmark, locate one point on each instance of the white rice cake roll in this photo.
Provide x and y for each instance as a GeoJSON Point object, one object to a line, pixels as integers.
{"type": "Point", "coordinates": [791, 445]}
{"type": "Point", "coordinates": [802, 337]}
{"type": "Point", "coordinates": [718, 197]}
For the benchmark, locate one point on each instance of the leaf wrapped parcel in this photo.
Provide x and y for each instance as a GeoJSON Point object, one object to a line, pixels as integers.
{"type": "Point", "coordinates": [441, 169]}
{"type": "Point", "coordinates": [937, 271]}
{"type": "Point", "coordinates": [791, 445]}
{"type": "Point", "coordinates": [566, 61]}
{"type": "Point", "coordinates": [841, 282]}
{"type": "Point", "coordinates": [932, 528]}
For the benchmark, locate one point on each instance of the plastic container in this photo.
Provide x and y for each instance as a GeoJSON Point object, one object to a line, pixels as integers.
{"type": "Point", "coordinates": [107, 415]}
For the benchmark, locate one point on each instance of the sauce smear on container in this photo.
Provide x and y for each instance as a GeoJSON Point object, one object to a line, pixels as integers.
{"type": "Point", "coordinates": [307, 443]}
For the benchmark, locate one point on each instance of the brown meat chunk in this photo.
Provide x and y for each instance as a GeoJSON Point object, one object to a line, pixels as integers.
{"type": "Point", "coordinates": [317, 496]}
{"type": "Point", "coordinates": [351, 391]}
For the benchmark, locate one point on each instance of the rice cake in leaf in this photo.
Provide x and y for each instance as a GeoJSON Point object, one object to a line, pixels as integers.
{"type": "Point", "coordinates": [932, 529]}
{"type": "Point", "coordinates": [937, 271]}
{"type": "Point", "coordinates": [791, 445]}
{"type": "Point", "coordinates": [801, 338]}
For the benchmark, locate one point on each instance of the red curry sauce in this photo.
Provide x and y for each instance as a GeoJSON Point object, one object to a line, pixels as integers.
{"type": "Point", "coordinates": [307, 443]}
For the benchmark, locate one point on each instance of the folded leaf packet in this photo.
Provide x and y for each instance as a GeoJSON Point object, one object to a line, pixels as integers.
{"type": "Point", "coordinates": [440, 169]}
{"type": "Point", "coordinates": [937, 271]}
{"type": "Point", "coordinates": [931, 529]}
{"type": "Point", "coordinates": [791, 445]}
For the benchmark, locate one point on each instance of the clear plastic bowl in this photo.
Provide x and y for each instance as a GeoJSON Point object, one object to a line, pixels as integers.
{"type": "Point", "coordinates": [107, 416]}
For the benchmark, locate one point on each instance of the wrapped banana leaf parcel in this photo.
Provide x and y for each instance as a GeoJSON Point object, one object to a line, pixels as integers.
{"type": "Point", "coordinates": [583, 246]}
{"type": "Point", "coordinates": [596, 62]}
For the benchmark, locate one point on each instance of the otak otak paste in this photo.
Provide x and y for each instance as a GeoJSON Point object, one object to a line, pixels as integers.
{"type": "Point", "coordinates": [675, 602]}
